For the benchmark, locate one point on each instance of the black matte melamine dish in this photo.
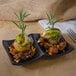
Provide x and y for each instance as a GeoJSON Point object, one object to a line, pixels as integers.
{"type": "Point", "coordinates": [40, 52]}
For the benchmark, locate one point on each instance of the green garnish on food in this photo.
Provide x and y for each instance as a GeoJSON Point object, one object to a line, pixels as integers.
{"type": "Point", "coordinates": [22, 15]}
{"type": "Point", "coordinates": [51, 19]}
{"type": "Point", "coordinates": [53, 33]}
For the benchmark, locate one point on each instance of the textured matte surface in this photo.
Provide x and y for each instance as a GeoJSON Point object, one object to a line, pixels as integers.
{"type": "Point", "coordinates": [62, 66]}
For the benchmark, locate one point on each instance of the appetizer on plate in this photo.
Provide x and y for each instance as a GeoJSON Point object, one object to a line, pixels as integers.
{"type": "Point", "coordinates": [50, 39]}
{"type": "Point", "coordinates": [22, 47]}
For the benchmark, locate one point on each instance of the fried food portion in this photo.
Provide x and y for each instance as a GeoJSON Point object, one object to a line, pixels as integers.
{"type": "Point", "coordinates": [51, 48]}
{"type": "Point", "coordinates": [18, 55]}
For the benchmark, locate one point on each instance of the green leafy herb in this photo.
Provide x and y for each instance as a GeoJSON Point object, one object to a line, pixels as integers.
{"type": "Point", "coordinates": [21, 17]}
{"type": "Point", "coordinates": [51, 19]}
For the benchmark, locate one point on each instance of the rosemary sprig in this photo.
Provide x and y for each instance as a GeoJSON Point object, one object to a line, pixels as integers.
{"type": "Point", "coordinates": [21, 18]}
{"type": "Point", "coordinates": [51, 19]}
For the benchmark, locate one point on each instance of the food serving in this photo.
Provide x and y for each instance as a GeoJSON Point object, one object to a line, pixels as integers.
{"type": "Point", "coordinates": [50, 39]}
{"type": "Point", "coordinates": [22, 47]}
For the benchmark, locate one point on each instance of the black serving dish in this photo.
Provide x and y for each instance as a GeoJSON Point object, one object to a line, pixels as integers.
{"type": "Point", "coordinates": [37, 55]}
{"type": "Point", "coordinates": [67, 50]}
{"type": "Point", "coordinates": [40, 52]}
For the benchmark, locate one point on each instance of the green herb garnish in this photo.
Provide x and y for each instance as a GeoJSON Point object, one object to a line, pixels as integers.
{"type": "Point", "coordinates": [20, 39]}
{"type": "Point", "coordinates": [53, 33]}
{"type": "Point", "coordinates": [21, 24]}
{"type": "Point", "coordinates": [51, 20]}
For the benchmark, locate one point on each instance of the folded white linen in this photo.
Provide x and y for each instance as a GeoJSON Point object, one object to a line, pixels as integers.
{"type": "Point", "coordinates": [63, 26]}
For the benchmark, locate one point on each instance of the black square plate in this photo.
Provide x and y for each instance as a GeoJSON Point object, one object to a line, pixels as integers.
{"type": "Point", "coordinates": [37, 55]}
{"type": "Point", "coordinates": [68, 48]}
{"type": "Point", "coordinates": [39, 51]}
